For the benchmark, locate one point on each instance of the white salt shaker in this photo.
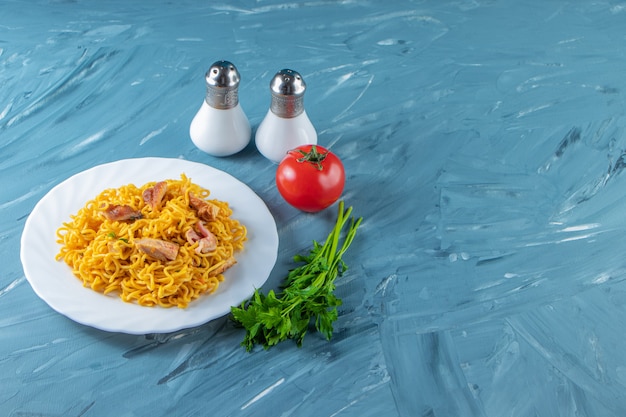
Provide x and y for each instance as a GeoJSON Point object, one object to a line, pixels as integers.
{"type": "Point", "coordinates": [221, 128]}
{"type": "Point", "coordinates": [286, 124]}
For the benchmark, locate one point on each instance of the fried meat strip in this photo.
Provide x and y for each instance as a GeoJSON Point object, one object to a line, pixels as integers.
{"type": "Point", "coordinates": [227, 264]}
{"type": "Point", "coordinates": [118, 212]}
{"type": "Point", "coordinates": [157, 248]}
{"type": "Point", "coordinates": [154, 195]}
{"type": "Point", "coordinates": [207, 241]}
{"type": "Point", "coordinates": [206, 211]}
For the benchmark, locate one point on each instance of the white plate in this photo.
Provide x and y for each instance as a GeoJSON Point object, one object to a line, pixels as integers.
{"type": "Point", "coordinates": [54, 282]}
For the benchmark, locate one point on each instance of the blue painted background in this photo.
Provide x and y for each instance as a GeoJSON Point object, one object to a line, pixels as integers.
{"type": "Point", "coordinates": [484, 145]}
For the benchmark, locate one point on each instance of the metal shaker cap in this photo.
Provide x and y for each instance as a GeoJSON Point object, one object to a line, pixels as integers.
{"type": "Point", "coordinates": [287, 88]}
{"type": "Point", "coordinates": [222, 85]}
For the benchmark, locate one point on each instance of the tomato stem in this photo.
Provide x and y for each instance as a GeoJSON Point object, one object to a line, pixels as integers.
{"type": "Point", "coordinates": [313, 157]}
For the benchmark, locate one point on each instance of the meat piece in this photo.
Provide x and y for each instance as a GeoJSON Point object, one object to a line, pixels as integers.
{"type": "Point", "coordinates": [206, 211]}
{"type": "Point", "coordinates": [192, 237]}
{"type": "Point", "coordinates": [154, 195]}
{"type": "Point", "coordinates": [207, 241]}
{"type": "Point", "coordinates": [227, 264]}
{"type": "Point", "coordinates": [117, 212]}
{"type": "Point", "coordinates": [157, 248]}
{"type": "Point", "coordinates": [207, 244]}
{"type": "Point", "coordinates": [203, 230]}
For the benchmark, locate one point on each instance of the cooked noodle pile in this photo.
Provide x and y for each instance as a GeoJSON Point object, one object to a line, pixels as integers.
{"type": "Point", "coordinates": [163, 244]}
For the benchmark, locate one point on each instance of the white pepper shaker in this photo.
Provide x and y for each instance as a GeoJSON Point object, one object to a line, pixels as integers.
{"type": "Point", "coordinates": [221, 128]}
{"type": "Point", "coordinates": [286, 124]}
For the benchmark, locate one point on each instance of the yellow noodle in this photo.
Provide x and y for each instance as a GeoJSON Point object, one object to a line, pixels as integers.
{"type": "Point", "coordinates": [102, 254]}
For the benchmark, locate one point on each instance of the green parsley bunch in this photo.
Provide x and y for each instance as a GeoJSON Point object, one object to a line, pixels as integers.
{"type": "Point", "coordinates": [307, 293]}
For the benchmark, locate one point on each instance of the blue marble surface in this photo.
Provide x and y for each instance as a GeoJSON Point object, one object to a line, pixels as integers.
{"type": "Point", "coordinates": [484, 145]}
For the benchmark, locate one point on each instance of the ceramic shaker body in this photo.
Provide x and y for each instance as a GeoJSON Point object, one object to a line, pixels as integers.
{"type": "Point", "coordinates": [220, 127]}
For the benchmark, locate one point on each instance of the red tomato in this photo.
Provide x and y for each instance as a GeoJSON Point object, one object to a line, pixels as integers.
{"type": "Point", "coordinates": [310, 178]}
